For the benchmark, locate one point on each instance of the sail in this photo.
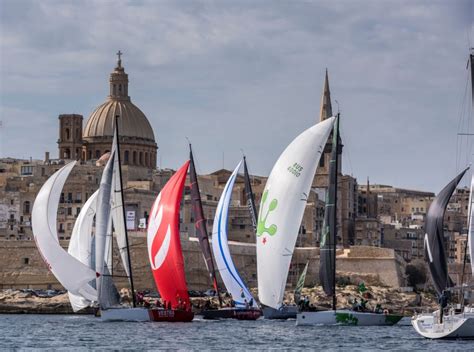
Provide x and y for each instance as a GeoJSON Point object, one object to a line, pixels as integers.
{"type": "Point", "coordinates": [164, 244]}
{"type": "Point", "coordinates": [434, 237]}
{"type": "Point", "coordinates": [300, 284]}
{"type": "Point", "coordinates": [69, 271]}
{"type": "Point", "coordinates": [229, 274]}
{"type": "Point", "coordinates": [329, 231]}
{"type": "Point", "coordinates": [117, 211]}
{"type": "Point", "coordinates": [282, 207]}
{"type": "Point", "coordinates": [108, 295]}
{"type": "Point", "coordinates": [200, 222]}
{"type": "Point", "coordinates": [80, 245]}
{"type": "Point", "coordinates": [471, 226]}
{"type": "Point", "coordinates": [250, 197]}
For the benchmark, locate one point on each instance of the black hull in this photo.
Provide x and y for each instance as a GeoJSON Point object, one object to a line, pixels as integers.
{"type": "Point", "coordinates": [231, 313]}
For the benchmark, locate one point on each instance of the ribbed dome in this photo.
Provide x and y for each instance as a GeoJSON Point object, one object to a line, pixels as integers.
{"type": "Point", "coordinates": [132, 121]}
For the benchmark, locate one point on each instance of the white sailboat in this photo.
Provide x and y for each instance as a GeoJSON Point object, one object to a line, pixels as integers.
{"type": "Point", "coordinates": [455, 323]}
{"type": "Point", "coordinates": [245, 304]}
{"type": "Point", "coordinates": [281, 211]}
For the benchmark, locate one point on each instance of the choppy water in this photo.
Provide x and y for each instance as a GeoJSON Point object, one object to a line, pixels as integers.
{"type": "Point", "coordinates": [65, 332]}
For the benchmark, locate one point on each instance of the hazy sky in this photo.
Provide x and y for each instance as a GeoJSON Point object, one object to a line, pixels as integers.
{"type": "Point", "coordinates": [248, 75]}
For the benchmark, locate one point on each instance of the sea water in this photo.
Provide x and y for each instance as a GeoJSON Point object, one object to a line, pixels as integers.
{"type": "Point", "coordinates": [83, 332]}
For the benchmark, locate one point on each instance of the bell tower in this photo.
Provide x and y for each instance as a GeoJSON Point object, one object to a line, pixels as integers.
{"type": "Point", "coordinates": [70, 137]}
{"type": "Point", "coordinates": [321, 178]}
{"type": "Point", "coordinates": [118, 81]}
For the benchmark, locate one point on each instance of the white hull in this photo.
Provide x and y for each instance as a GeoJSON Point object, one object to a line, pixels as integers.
{"type": "Point", "coordinates": [345, 317]}
{"type": "Point", "coordinates": [125, 314]}
{"type": "Point", "coordinates": [454, 325]}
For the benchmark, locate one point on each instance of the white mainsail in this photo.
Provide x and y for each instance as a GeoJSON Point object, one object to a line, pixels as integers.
{"type": "Point", "coordinates": [282, 207]}
{"type": "Point", "coordinates": [471, 226]}
{"type": "Point", "coordinates": [80, 245]}
{"type": "Point", "coordinates": [70, 272]}
{"type": "Point", "coordinates": [229, 274]}
{"type": "Point", "coordinates": [117, 211]}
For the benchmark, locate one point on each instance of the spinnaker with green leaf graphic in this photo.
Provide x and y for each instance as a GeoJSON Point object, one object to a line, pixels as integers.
{"type": "Point", "coordinates": [282, 207]}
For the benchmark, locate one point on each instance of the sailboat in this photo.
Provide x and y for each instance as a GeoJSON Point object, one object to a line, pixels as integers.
{"type": "Point", "coordinates": [281, 212]}
{"type": "Point", "coordinates": [165, 253]}
{"type": "Point", "coordinates": [327, 270]}
{"type": "Point", "coordinates": [245, 306]}
{"type": "Point", "coordinates": [437, 325]}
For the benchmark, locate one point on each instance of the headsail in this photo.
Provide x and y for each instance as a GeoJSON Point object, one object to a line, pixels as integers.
{"type": "Point", "coordinates": [70, 272]}
{"type": "Point", "coordinates": [250, 197]}
{"type": "Point", "coordinates": [329, 231]}
{"type": "Point", "coordinates": [200, 222]}
{"type": "Point", "coordinates": [300, 284]}
{"type": "Point", "coordinates": [471, 226]}
{"type": "Point", "coordinates": [80, 245]}
{"type": "Point", "coordinates": [164, 245]}
{"type": "Point", "coordinates": [434, 237]}
{"type": "Point", "coordinates": [282, 207]}
{"type": "Point", "coordinates": [108, 295]}
{"type": "Point", "coordinates": [229, 274]}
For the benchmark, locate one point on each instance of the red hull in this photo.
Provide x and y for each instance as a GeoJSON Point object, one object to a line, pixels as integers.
{"type": "Point", "coordinates": [170, 315]}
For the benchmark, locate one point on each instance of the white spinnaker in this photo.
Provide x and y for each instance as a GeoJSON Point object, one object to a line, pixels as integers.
{"type": "Point", "coordinates": [69, 271]}
{"type": "Point", "coordinates": [229, 274]}
{"type": "Point", "coordinates": [80, 245]}
{"type": "Point", "coordinates": [471, 226]}
{"type": "Point", "coordinates": [282, 207]}
{"type": "Point", "coordinates": [117, 210]}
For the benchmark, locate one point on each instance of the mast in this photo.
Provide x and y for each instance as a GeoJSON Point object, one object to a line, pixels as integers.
{"type": "Point", "coordinates": [336, 138]}
{"type": "Point", "coordinates": [124, 215]}
{"type": "Point", "coordinates": [200, 224]}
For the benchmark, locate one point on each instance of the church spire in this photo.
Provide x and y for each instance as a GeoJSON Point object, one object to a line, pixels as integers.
{"type": "Point", "coordinates": [326, 107]}
{"type": "Point", "coordinates": [119, 81]}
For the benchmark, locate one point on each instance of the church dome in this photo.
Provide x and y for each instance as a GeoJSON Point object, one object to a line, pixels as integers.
{"type": "Point", "coordinates": [133, 123]}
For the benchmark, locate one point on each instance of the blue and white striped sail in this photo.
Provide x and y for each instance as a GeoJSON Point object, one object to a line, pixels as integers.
{"type": "Point", "coordinates": [229, 274]}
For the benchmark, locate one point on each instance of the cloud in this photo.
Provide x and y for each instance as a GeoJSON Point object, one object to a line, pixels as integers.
{"type": "Point", "coordinates": [245, 74]}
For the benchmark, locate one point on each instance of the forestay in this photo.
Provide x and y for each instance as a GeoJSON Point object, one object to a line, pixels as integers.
{"type": "Point", "coordinates": [281, 210]}
{"type": "Point", "coordinates": [69, 271]}
{"type": "Point", "coordinates": [229, 274]}
{"type": "Point", "coordinates": [471, 226]}
{"type": "Point", "coordinates": [80, 245]}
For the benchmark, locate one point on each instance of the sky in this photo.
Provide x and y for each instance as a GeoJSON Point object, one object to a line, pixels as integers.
{"type": "Point", "coordinates": [239, 75]}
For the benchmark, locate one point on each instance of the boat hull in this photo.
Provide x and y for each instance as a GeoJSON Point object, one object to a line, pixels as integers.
{"type": "Point", "coordinates": [454, 326]}
{"type": "Point", "coordinates": [284, 312]}
{"type": "Point", "coordinates": [232, 313]}
{"type": "Point", "coordinates": [346, 317]}
{"type": "Point", "coordinates": [146, 314]}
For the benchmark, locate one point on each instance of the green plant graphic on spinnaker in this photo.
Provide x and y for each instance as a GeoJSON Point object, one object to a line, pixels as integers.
{"type": "Point", "coordinates": [261, 225]}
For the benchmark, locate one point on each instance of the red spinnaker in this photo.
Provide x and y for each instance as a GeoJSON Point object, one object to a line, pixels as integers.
{"type": "Point", "coordinates": [164, 245]}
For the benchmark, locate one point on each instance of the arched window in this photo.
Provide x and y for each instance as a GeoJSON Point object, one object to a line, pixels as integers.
{"type": "Point", "coordinates": [120, 88]}
{"type": "Point", "coordinates": [67, 154]}
{"type": "Point", "coordinates": [147, 160]}
{"type": "Point", "coordinates": [67, 134]}
{"type": "Point", "coordinates": [115, 90]}
{"type": "Point", "coordinates": [77, 154]}
{"type": "Point", "coordinates": [134, 158]}
{"type": "Point", "coordinates": [26, 207]}
{"type": "Point", "coordinates": [125, 157]}
{"type": "Point", "coordinates": [77, 133]}
{"type": "Point", "coordinates": [97, 154]}
{"type": "Point", "coordinates": [141, 159]}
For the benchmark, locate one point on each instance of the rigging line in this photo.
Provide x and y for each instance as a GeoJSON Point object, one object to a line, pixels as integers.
{"type": "Point", "coordinates": [459, 140]}
{"type": "Point", "coordinates": [344, 137]}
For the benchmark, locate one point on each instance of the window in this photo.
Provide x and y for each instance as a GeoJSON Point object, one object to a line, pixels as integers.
{"type": "Point", "coordinates": [26, 207]}
{"type": "Point", "coordinates": [11, 201]}
{"type": "Point", "coordinates": [89, 156]}
{"type": "Point", "coordinates": [26, 170]}
{"type": "Point", "coordinates": [146, 159]}
{"type": "Point", "coordinates": [67, 134]}
{"type": "Point", "coordinates": [126, 157]}
{"type": "Point", "coordinates": [69, 197]}
{"type": "Point", "coordinates": [97, 154]}
{"type": "Point", "coordinates": [321, 161]}
{"type": "Point", "coordinates": [78, 197]}
{"type": "Point", "coordinates": [12, 217]}
{"type": "Point", "coordinates": [25, 261]}
{"type": "Point", "coordinates": [61, 199]}
{"type": "Point", "coordinates": [78, 210]}
{"type": "Point", "coordinates": [69, 211]}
